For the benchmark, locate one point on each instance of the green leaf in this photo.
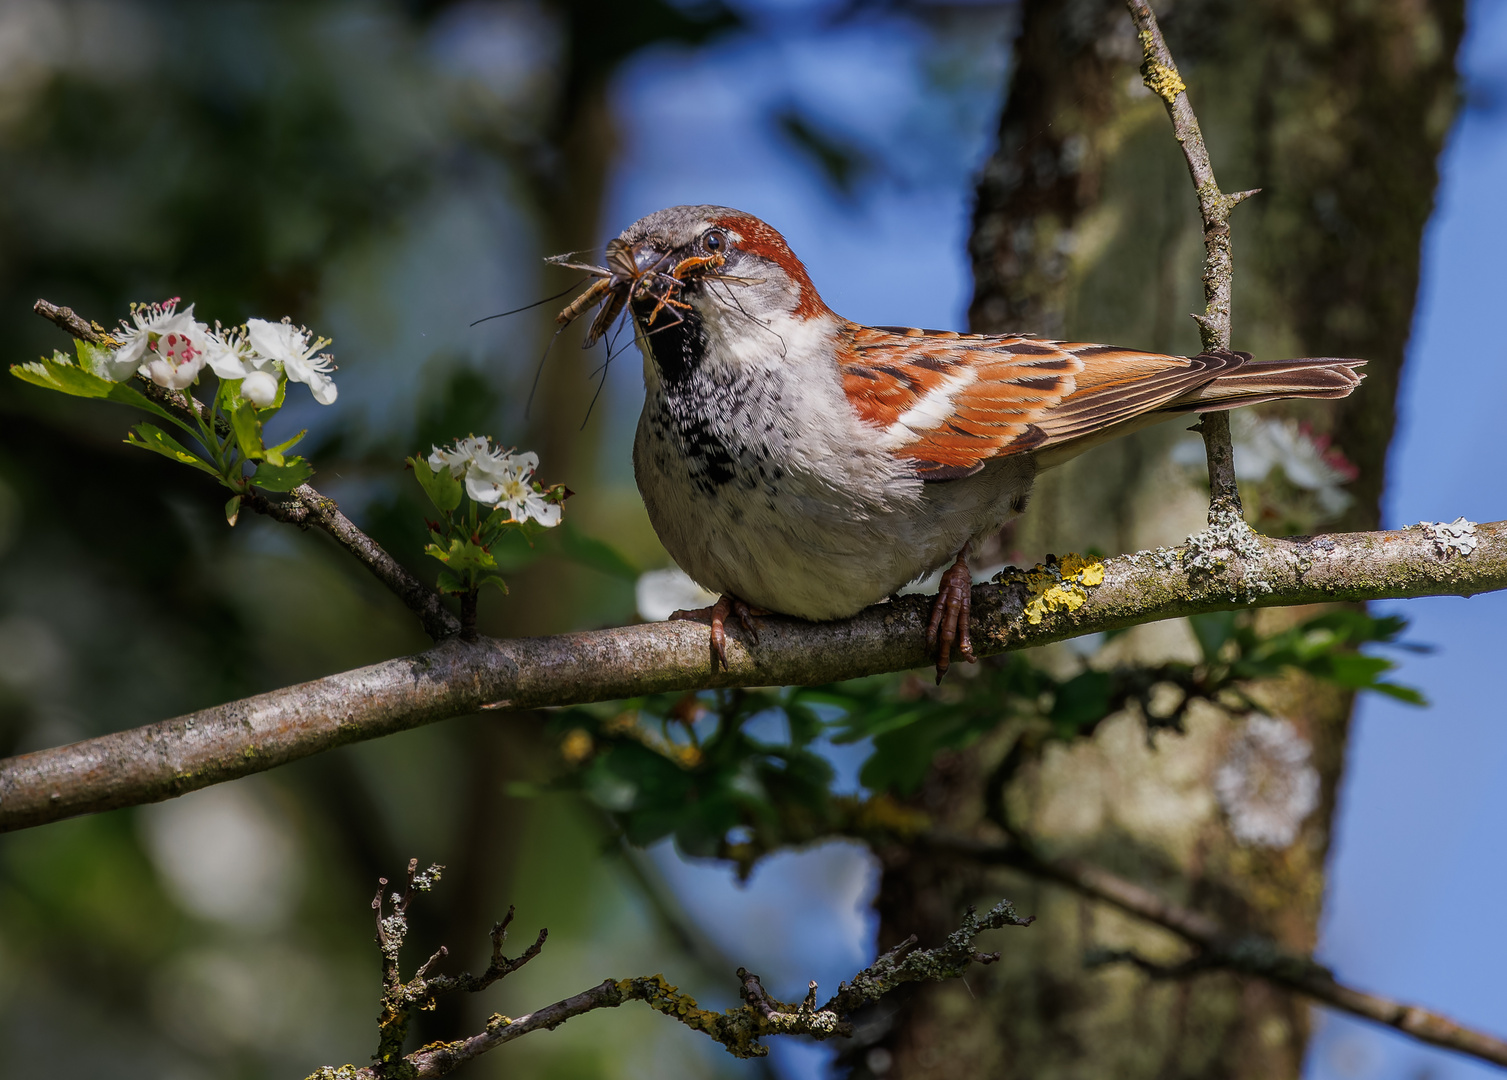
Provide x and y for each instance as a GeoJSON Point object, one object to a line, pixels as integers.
{"type": "Point", "coordinates": [233, 509]}
{"type": "Point", "coordinates": [444, 490]}
{"type": "Point", "coordinates": [1212, 630]}
{"type": "Point", "coordinates": [449, 582]}
{"type": "Point", "coordinates": [596, 554]}
{"type": "Point", "coordinates": [158, 441]}
{"type": "Point", "coordinates": [124, 393]}
{"type": "Point", "coordinates": [1081, 702]}
{"type": "Point", "coordinates": [62, 374]}
{"type": "Point", "coordinates": [275, 453]}
{"type": "Point", "coordinates": [494, 581]}
{"type": "Point", "coordinates": [91, 357]}
{"type": "Point", "coordinates": [1408, 694]}
{"type": "Point", "coordinates": [285, 477]}
{"type": "Point", "coordinates": [248, 436]}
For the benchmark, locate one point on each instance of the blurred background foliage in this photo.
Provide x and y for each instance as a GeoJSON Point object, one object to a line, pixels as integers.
{"type": "Point", "coordinates": [388, 173]}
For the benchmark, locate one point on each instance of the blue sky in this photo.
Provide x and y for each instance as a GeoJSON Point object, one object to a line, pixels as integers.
{"type": "Point", "coordinates": [1418, 872]}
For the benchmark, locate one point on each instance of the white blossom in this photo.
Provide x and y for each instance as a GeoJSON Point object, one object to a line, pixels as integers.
{"type": "Point", "coordinates": [1264, 443]}
{"type": "Point", "coordinates": [290, 348]}
{"type": "Point", "coordinates": [504, 481]}
{"type": "Point", "coordinates": [259, 388]}
{"type": "Point", "coordinates": [164, 344]}
{"type": "Point", "coordinates": [497, 477]}
{"type": "Point", "coordinates": [230, 356]}
{"type": "Point", "coordinates": [1266, 785]}
{"type": "Point", "coordinates": [458, 458]}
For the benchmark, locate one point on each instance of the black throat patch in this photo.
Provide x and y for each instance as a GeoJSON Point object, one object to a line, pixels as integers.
{"type": "Point", "coordinates": [677, 347]}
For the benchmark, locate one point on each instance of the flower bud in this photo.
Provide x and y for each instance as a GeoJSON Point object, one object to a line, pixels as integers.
{"type": "Point", "coordinates": [259, 388]}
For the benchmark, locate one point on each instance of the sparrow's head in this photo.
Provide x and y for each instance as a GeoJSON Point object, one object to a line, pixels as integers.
{"type": "Point", "coordinates": [727, 256]}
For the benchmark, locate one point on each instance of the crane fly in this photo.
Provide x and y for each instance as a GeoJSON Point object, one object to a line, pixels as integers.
{"type": "Point", "coordinates": [623, 281]}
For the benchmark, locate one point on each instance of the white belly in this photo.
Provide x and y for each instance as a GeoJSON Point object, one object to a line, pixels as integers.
{"type": "Point", "coordinates": [760, 523]}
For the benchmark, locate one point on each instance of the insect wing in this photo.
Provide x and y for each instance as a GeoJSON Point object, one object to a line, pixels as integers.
{"type": "Point", "coordinates": [620, 259]}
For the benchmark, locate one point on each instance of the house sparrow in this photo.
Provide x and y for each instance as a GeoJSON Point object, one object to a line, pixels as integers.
{"type": "Point", "coordinates": [799, 463]}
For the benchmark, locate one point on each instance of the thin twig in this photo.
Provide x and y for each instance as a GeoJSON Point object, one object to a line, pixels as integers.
{"type": "Point", "coordinates": [172, 757]}
{"type": "Point", "coordinates": [1247, 954]}
{"type": "Point", "coordinates": [1160, 74]}
{"type": "Point", "coordinates": [739, 1030]}
{"type": "Point", "coordinates": [302, 507]}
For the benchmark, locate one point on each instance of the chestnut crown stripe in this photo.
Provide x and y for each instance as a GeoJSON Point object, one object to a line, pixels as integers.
{"type": "Point", "coordinates": [758, 238]}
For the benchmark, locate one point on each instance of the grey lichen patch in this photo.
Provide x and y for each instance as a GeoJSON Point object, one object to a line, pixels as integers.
{"type": "Point", "coordinates": [1456, 537]}
{"type": "Point", "coordinates": [1228, 544]}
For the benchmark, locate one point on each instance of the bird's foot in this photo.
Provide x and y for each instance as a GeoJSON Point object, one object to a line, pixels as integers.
{"type": "Point", "coordinates": [718, 613]}
{"type": "Point", "coordinates": [949, 616]}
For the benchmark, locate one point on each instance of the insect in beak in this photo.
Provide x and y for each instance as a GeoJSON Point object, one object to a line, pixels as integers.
{"type": "Point", "coordinates": [634, 272]}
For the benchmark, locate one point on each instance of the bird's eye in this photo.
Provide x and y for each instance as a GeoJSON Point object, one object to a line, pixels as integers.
{"type": "Point", "coordinates": [714, 241]}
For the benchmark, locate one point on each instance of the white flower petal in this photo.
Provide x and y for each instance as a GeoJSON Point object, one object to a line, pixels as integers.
{"type": "Point", "coordinates": [259, 388]}
{"type": "Point", "coordinates": [483, 490]}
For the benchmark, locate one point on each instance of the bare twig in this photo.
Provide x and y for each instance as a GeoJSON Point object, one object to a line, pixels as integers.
{"type": "Point", "coordinates": [169, 758]}
{"type": "Point", "coordinates": [1161, 77]}
{"type": "Point", "coordinates": [739, 1029]}
{"type": "Point", "coordinates": [302, 507]}
{"type": "Point", "coordinates": [1217, 949]}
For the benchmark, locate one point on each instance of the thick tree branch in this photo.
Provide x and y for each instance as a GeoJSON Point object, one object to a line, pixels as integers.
{"type": "Point", "coordinates": [1248, 954]}
{"type": "Point", "coordinates": [1160, 74]}
{"type": "Point", "coordinates": [303, 507]}
{"type": "Point", "coordinates": [162, 760]}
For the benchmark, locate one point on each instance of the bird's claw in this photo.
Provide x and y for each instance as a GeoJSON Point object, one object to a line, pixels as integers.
{"type": "Point", "coordinates": [718, 613]}
{"type": "Point", "coordinates": [950, 617]}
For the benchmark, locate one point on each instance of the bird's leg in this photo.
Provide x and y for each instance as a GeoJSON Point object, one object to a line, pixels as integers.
{"type": "Point", "coordinates": [949, 616]}
{"type": "Point", "coordinates": [718, 613]}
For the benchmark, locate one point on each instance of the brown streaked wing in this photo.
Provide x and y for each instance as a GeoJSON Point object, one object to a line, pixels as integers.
{"type": "Point", "coordinates": [954, 401]}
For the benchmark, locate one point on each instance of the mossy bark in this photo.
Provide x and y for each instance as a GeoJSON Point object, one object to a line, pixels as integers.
{"type": "Point", "coordinates": [1087, 228]}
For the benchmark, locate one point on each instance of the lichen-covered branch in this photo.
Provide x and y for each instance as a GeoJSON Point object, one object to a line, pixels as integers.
{"type": "Point", "coordinates": [739, 1029]}
{"type": "Point", "coordinates": [1161, 76]}
{"type": "Point", "coordinates": [1217, 949]}
{"type": "Point", "coordinates": [303, 507]}
{"type": "Point", "coordinates": [1063, 600]}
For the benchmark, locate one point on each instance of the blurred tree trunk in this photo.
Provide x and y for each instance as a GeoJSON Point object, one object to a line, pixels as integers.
{"type": "Point", "coordinates": [1087, 228]}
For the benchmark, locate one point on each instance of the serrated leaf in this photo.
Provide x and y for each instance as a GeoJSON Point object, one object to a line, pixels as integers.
{"type": "Point", "coordinates": [285, 477]}
{"type": "Point", "coordinates": [91, 357]}
{"type": "Point", "coordinates": [444, 490]}
{"type": "Point", "coordinates": [449, 582]}
{"type": "Point", "coordinates": [158, 441]}
{"type": "Point", "coordinates": [61, 374]}
{"type": "Point", "coordinates": [493, 580]}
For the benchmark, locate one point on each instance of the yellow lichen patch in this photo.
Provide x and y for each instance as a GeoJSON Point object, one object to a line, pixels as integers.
{"type": "Point", "coordinates": [1059, 586]}
{"type": "Point", "coordinates": [1161, 80]}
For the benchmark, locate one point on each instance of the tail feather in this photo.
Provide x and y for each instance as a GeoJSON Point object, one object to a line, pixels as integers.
{"type": "Point", "coordinates": [1269, 380]}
